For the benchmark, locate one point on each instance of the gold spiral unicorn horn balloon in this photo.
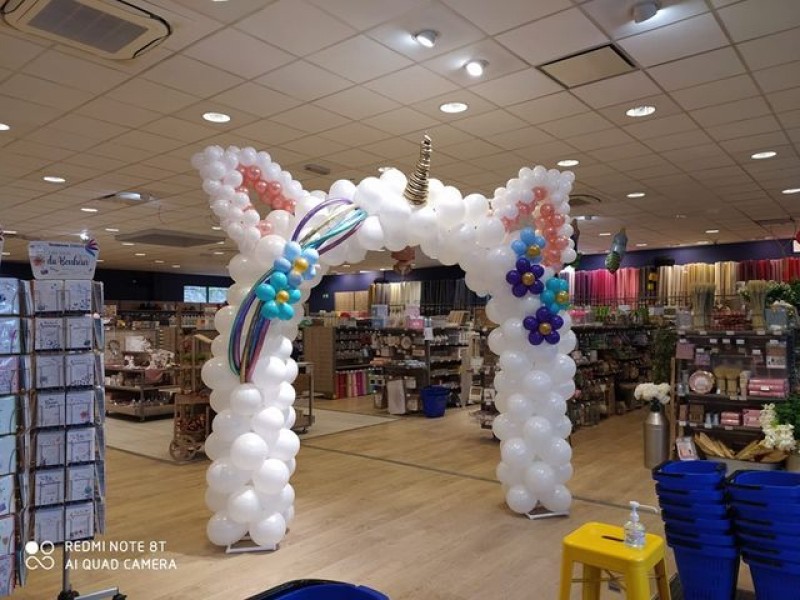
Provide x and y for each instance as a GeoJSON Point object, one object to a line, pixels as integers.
{"type": "Point", "coordinates": [416, 191]}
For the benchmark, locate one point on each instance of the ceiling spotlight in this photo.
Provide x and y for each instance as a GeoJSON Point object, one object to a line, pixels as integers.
{"type": "Point", "coordinates": [604, 234]}
{"type": "Point", "coordinates": [640, 111]}
{"type": "Point", "coordinates": [453, 107]}
{"type": "Point", "coordinates": [791, 191]}
{"type": "Point", "coordinates": [218, 253]}
{"type": "Point", "coordinates": [640, 245]}
{"type": "Point", "coordinates": [680, 216]}
{"type": "Point", "coordinates": [129, 195]}
{"type": "Point", "coordinates": [475, 68]}
{"type": "Point", "coordinates": [112, 229]}
{"type": "Point", "coordinates": [159, 262]}
{"type": "Point", "coordinates": [4, 127]}
{"type": "Point", "coordinates": [127, 243]}
{"type": "Point", "coordinates": [712, 230]}
{"type": "Point", "coordinates": [139, 254]}
{"type": "Point", "coordinates": [636, 195]}
{"type": "Point", "coordinates": [86, 209]}
{"type": "Point", "coordinates": [54, 179]}
{"type": "Point", "coordinates": [645, 10]}
{"type": "Point", "coordinates": [763, 155]}
{"type": "Point", "coordinates": [83, 236]}
{"type": "Point", "coordinates": [426, 37]}
{"type": "Point", "coordinates": [176, 266]}
{"type": "Point", "coordinates": [216, 117]}
{"type": "Point", "coordinates": [8, 231]}
{"type": "Point", "coordinates": [569, 162]}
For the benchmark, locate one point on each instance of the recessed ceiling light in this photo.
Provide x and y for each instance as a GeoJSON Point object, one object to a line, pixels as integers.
{"type": "Point", "coordinates": [100, 260]}
{"type": "Point", "coordinates": [176, 266]}
{"type": "Point", "coordinates": [6, 253]}
{"type": "Point", "coordinates": [86, 209]}
{"type": "Point", "coordinates": [569, 162]}
{"type": "Point", "coordinates": [159, 262]}
{"type": "Point", "coordinates": [83, 235]}
{"type": "Point", "coordinates": [640, 111]}
{"type": "Point", "coordinates": [763, 155]}
{"type": "Point", "coordinates": [54, 179]}
{"type": "Point", "coordinates": [219, 253]}
{"type": "Point", "coordinates": [791, 191]}
{"type": "Point", "coordinates": [345, 265]}
{"type": "Point", "coordinates": [221, 242]}
{"type": "Point", "coordinates": [9, 231]}
{"type": "Point", "coordinates": [384, 169]}
{"type": "Point", "coordinates": [216, 228]}
{"type": "Point", "coordinates": [216, 117]}
{"type": "Point", "coordinates": [127, 243]}
{"type": "Point", "coordinates": [475, 68]}
{"type": "Point", "coordinates": [680, 216]}
{"type": "Point", "coordinates": [604, 234]}
{"type": "Point", "coordinates": [129, 195]}
{"type": "Point", "coordinates": [426, 37]}
{"type": "Point", "coordinates": [140, 254]}
{"type": "Point", "coordinates": [712, 230]}
{"type": "Point", "coordinates": [703, 242]}
{"type": "Point", "coordinates": [4, 127]}
{"type": "Point", "coordinates": [645, 10]}
{"type": "Point", "coordinates": [453, 107]}
{"type": "Point", "coordinates": [641, 245]}
{"type": "Point", "coordinates": [636, 195]}
{"type": "Point", "coordinates": [112, 229]}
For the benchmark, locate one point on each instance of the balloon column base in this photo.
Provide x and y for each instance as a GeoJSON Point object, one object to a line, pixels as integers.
{"type": "Point", "coordinates": [248, 545]}
{"type": "Point", "coordinates": [540, 512]}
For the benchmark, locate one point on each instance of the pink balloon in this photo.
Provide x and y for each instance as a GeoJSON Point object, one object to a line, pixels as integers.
{"type": "Point", "coordinates": [558, 220]}
{"type": "Point", "coordinates": [243, 170]}
{"type": "Point", "coordinates": [561, 243]}
{"type": "Point", "coordinates": [241, 189]}
{"type": "Point", "coordinates": [274, 188]}
{"type": "Point", "coordinates": [254, 173]}
{"type": "Point", "coordinates": [539, 193]}
{"type": "Point", "coordinates": [546, 210]}
{"type": "Point", "coordinates": [261, 186]}
{"type": "Point", "coordinates": [265, 227]}
{"type": "Point", "coordinates": [524, 209]}
{"type": "Point", "coordinates": [290, 206]}
{"type": "Point", "coordinates": [550, 232]}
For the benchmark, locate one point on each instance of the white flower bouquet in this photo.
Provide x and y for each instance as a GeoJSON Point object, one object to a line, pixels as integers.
{"type": "Point", "coordinates": [777, 435]}
{"type": "Point", "coordinates": [657, 394]}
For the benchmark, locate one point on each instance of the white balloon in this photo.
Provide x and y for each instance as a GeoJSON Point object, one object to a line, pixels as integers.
{"type": "Point", "coordinates": [563, 473]}
{"type": "Point", "coordinates": [558, 500]}
{"type": "Point", "coordinates": [288, 516]}
{"type": "Point", "coordinates": [562, 427]}
{"type": "Point", "coordinates": [516, 453]}
{"type": "Point", "coordinates": [216, 501]}
{"type": "Point", "coordinates": [223, 476]}
{"type": "Point", "coordinates": [287, 445]}
{"type": "Point", "coordinates": [520, 499]}
{"type": "Point", "coordinates": [370, 235]}
{"type": "Point", "coordinates": [223, 531]}
{"type": "Point", "coordinates": [520, 407]}
{"type": "Point", "coordinates": [269, 372]}
{"type": "Point", "coordinates": [268, 531]}
{"type": "Point", "coordinates": [229, 426]}
{"type": "Point", "coordinates": [236, 294]}
{"type": "Point", "coordinates": [243, 505]}
{"type": "Point", "coordinates": [536, 431]}
{"type": "Point", "coordinates": [537, 383]}
{"type": "Point", "coordinates": [290, 416]}
{"type": "Point", "coordinates": [514, 362]}
{"type": "Point", "coordinates": [220, 399]}
{"type": "Point", "coordinates": [271, 477]}
{"type": "Point", "coordinates": [216, 374]}
{"type": "Point", "coordinates": [490, 232]}
{"type": "Point", "coordinates": [215, 447]}
{"type": "Point", "coordinates": [245, 399]}
{"type": "Point", "coordinates": [540, 478]}
{"type": "Point", "coordinates": [513, 331]}
{"type": "Point", "coordinates": [556, 453]}
{"type": "Point", "coordinates": [285, 396]}
{"type": "Point", "coordinates": [268, 422]}
{"type": "Point", "coordinates": [505, 428]}
{"type": "Point", "coordinates": [248, 451]}
{"type": "Point", "coordinates": [509, 475]}
{"type": "Point", "coordinates": [562, 369]}
{"type": "Point", "coordinates": [267, 250]}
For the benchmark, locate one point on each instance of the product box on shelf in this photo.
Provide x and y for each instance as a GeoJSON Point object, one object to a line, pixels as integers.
{"type": "Point", "coordinates": [7, 499]}
{"type": "Point", "coordinates": [416, 323]}
{"type": "Point", "coordinates": [8, 415]}
{"type": "Point", "coordinates": [8, 454]}
{"type": "Point", "coordinates": [379, 310]}
{"type": "Point", "coordinates": [48, 487]}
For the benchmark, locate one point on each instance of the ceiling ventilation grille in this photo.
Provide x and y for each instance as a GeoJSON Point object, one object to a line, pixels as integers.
{"type": "Point", "coordinates": [588, 66]}
{"type": "Point", "coordinates": [108, 28]}
{"type": "Point", "coordinates": [165, 237]}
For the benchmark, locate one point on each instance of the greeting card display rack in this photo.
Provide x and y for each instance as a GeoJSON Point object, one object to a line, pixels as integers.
{"type": "Point", "coordinates": [67, 484]}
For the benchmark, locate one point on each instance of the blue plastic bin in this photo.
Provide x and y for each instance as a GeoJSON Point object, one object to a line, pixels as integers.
{"type": "Point", "coordinates": [692, 522]}
{"type": "Point", "coordinates": [434, 400]}
{"type": "Point", "coordinates": [705, 495]}
{"type": "Point", "coordinates": [707, 572]}
{"type": "Point", "coordinates": [317, 589]}
{"type": "Point", "coordinates": [765, 486]}
{"type": "Point", "coordinates": [690, 475]}
{"type": "Point", "coordinates": [767, 525]}
{"type": "Point", "coordinates": [678, 535]}
{"type": "Point", "coordinates": [765, 510]}
{"type": "Point", "coordinates": [772, 538]}
{"type": "Point", "coordinates": [697, 509]}
{"type": "Point", "coordinates": [774, 579]}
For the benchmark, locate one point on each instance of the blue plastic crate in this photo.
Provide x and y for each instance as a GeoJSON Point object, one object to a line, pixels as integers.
{"type": "Point", "coordinates": [765, 486]}
{"type": "Point", "coordinates": [707, 572]}
{"type": "Point", "coordinates": [316, 589]}
{"type": "Point", "coordinates": [698, 509]}
{"type": "Point", "coordinates": [776, 548]}
{"type": "Point", "coordinates": [704, 495]}
{"type": "Point", "coordinates": [782, 539]}
{"type": "Point", "coordinates": [763, 510]}
{"type": "Point", "coordinates": [686, 519]}
{"type": "Point", "coordinates": [690, 475]}
{"type": "Point", "coordinates": [774, 579]}
{"type": "Point", "coordinates": [679, 535]}
{"type": "Point", "coordinates": [766, 525]}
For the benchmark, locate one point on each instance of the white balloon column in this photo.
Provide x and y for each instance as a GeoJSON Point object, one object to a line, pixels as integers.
{"type": "Point", "coordinates": [510, 248]}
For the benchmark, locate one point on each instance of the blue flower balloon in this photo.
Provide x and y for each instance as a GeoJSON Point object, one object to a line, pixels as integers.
{"type": "Point", "coordinates": [289, 271]}
{"type": "Point", "coordinates": [543, 327]}
{"type": "Point", "coordinates": [529, 245]}
{"type": "Point", "coordinates": [556, 295]}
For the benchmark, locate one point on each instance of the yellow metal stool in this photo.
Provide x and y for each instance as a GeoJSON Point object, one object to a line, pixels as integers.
{"type": "Point", "coordinates": [599, 547]}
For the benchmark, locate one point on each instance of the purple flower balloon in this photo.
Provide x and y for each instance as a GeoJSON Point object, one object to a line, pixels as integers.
{"type": "Point", "coordinates": [543, 327]}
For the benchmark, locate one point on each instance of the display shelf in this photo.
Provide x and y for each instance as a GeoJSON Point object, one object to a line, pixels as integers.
{"type": "Point", "coordinates": [142, 411]}
{"type": "Point", "coordinates": [725, 399]}
{"type": "Point", "coordinates": [731, 428]}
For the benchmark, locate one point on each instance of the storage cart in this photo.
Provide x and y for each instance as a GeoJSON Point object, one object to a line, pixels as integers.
{"type": "Point", "coordinates": [191, 426]}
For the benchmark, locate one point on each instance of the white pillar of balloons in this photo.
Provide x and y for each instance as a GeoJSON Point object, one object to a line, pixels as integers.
{"type": "Point", "coordinates": [510, 246]}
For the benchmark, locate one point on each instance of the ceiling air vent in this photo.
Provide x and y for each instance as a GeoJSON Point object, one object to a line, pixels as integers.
{"type": "Point", "coordinates": [108, 28]}
{"type": "Point", "coordinates": [576, 200]}
{"type": "Point", "coordinates": [588, 66]}
{"type": "Point", "coordinates": [165, 237]}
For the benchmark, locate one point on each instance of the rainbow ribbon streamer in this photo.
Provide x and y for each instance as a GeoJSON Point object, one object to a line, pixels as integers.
{"type": "Point", "coordinates": [247, 340]}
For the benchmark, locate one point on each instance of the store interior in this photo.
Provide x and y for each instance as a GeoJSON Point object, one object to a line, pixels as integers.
{"type": "Point", "coordinates": [680, 122]}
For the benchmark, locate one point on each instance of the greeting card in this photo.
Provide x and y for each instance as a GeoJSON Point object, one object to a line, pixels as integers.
{"type": "Point", "coordinates": [49, 333]}
{"type": "Point", "coordinates": [80, 445]}
{"type": "Point", "coordinates": [7, 525]}
{"type": "Point", "coordinates": [9, 374]}
{"type": "Point", "coordinates": [49, 448]}
{"type": "Point", "coordinates": [11, 336]}
{"type": "Point", "coordinates": [78, 295]}
{"type": "Point", "coordinates": [48, 296]}
{"type": "Point", "coordinates": [48, 487]}
{"type": "Point", "coordinates": [80, 521]}
{"type": "Point", "coordinates": [48, 524]}
{"type": "Point", "coordinates": [80, 406]}
{"type": "Point", "coordinates": [80, 369]}
{"type": "Point", "coordinates": [50, 409]}
{"type": "Point", "coordinates": [79, 332]}
{"type": "Point", "coordinates": [9, 296]}
{"type": "Point", "coordinates": [80, 482]}
{"type": "Point", "coordinates": [8, 415]}
{"type": "Point", "coordinates": [7, 494]}
{"type": "Point", "coordinates": [6, 575]}
{"type": "Point", "coordinates": [8, 454]}
{"type": "Point", "coordinates": [49, 371]}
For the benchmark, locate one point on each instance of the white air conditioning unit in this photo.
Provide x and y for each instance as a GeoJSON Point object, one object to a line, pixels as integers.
{"type": "Point", "coordinates": [112, 29]}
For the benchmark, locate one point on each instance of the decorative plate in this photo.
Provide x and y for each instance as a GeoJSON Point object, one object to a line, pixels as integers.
{"type": "Point", "coordinates": [701, 382]}
{"type": "Point", "coordinates": [405, 343]}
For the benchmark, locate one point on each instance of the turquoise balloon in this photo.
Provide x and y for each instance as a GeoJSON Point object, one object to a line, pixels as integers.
{"type": "Point", "coordinates": [553, 285]}
{"type": "Point", "coordinates": [294, 278]}
{"type": "Point", "coordinates": [548, 297]}
{"type": "Point", "coordinates": [265, 292]}
{"type": "Point", "coordinates": [564, 285]}
{"type": "Point", "coordinates": [285, 311]}
{"type": "Point", "coordinates": [527, 236]}
{"type": "Point", "coordinates": [269, 310]}
{"type": "Point", "coordinates": [279, 280]}
{"type": "Point", "coordinates": [294, 296]}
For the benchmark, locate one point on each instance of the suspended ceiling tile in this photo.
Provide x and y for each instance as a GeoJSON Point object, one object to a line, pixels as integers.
{"type": "Point", "coordinates": [576, 125]}
{"type": "Point", "coordinates": [500, 62]}
{"type": "Point", "coordinates": [455, 31]}
{"type": "Point", "coordinates": [94, 162]}
{"type": "Point", "coordinates": [716, 92]}
{"type": "Point", "coordinates": [126, 154]}
{"type": "Point", "coordinates": [113, 111]}
{"type": "Point", "coordinates": [472, 150]}
{"type": "Point", "coordinates": [256, 99]}
{"type": "Point", "coordinates": [616, 17]}
{"type": "Point", "coordinates": [623, 88]}
{"type": "Point", "coordinates": [496, 121]}
{"type": "Point", "coordinates": [521, 137]}
{"type": "Point", "coordinates": [497, 17]}
{"type": "Point", "coordinates": [688, 72]}
{"type": "Point", "coordinates": [744, 128]}
{"type": "Point", "coordinates": [621, 152]}
{"type": "Point", "coordinates": [750, 19]}
{"type": "Point", "coordinates": [238, 53]}
{"type": "Point", "coordinates": [61, 139]}
{"type": "Point", "coordinates": [192, 76]}
{"type": "Point", "coordinates": [601, 139]}
{"type": "Point", "coordinates": [44, 92]}
{"type": "Point", "coordinates": [687, 139]}
{"type": "Point", "coordinates": [278, 24]}
{"type": "Point", "coordinates": [441, 135]}
{"type": "Point", "coordinates": [517, 87]}
{"type": "Point", "coordinates": [364, 14]}
{"type": "Point", "coordinates": [310, 118]}
{"type": "Point", "coordinates": [90, 128]}
{"type": "Point", "coordinates": [753, 143]}
{"type": "Point", "coordinates": [678, 40]}
{"type": "Point", "coordinates": [790, 119]}
{"type": "Point", "coordinates": [540, 153]}
{"type": "Point", "coordinates": [314, 146]}
{"type": "Point", "coordinates": [73, 72]}
{"type": "Point", "coordinates": [779, 78]}
{"type": "Point", "coordinates": [785, 100]}
{"type": "Point", "coordinates": [553, 37]}
{"type": "Point", "coordinates": [178, 129]}
{"type": "Point", "coordinates": [355, 134]}
{"type": "Point", "coordinates": [412, 84]}
{"type": "Point", "coordinates": [357, 103]}
{"type": "Point", "coordinates": [16, 50]}
{"type": "Point", "coordinates": [224, 12]}
{"type": "Point", "coordinates": [353, 157]}
{"type": "Point", "coordinates": [400, 121]}
{"type": "Point", "coordinates": [731, 112]}
{"type": "Point", "coordinates": [156, 144]}
{"type": "Point", "coordinates": [393, 148]}
{"type": "Point", "coordinates": [359, 59]}
{"type": "Point", "coordinates": [548, 108]}
{"type": "Point", "coordinates": [38, 150]}
{"type": "Point", "coordinates": [303, 80]}
{"type": "Point", "coordinates": [152, 96]}
{"type": "Point", "coordinates": [771, 50]}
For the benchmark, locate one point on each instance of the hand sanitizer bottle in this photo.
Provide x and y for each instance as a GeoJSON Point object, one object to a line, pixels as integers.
{"type": "Point", "coordinates": [634, 529]}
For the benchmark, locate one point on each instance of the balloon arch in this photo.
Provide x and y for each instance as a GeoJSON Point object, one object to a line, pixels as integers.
{"type": "Point", "coordinates": [511, 248]}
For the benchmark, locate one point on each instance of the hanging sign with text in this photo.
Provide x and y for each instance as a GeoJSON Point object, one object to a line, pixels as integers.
{"type": "Point", "coordinates": [63, 260]}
